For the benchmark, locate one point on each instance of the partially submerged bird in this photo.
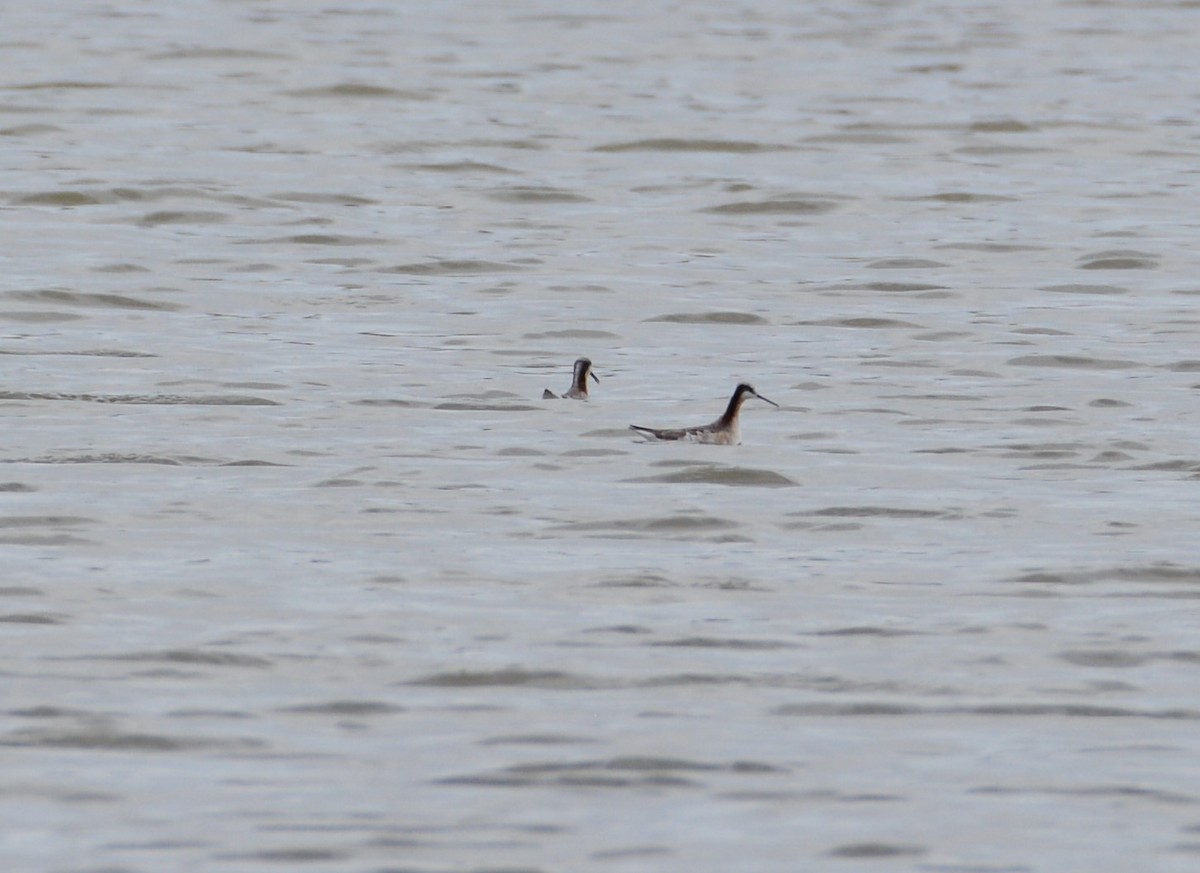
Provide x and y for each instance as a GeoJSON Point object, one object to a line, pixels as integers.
{"type": "Point", "coordinates": [579, 386]}
{"type": "Point", "coordinates": [725, 431]}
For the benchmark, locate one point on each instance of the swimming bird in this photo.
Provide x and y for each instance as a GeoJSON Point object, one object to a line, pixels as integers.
{"type": "Point", "coordinates": [579, 386]}
{"type": "Point", "coordinates": [725, 431]}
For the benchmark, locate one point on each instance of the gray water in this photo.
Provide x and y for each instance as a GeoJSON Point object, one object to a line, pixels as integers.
{"type": "Point", "coordinates": [301, 573]}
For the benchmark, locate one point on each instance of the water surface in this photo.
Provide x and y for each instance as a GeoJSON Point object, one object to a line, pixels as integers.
{"type": "Point", "coordinates": [302, 573]}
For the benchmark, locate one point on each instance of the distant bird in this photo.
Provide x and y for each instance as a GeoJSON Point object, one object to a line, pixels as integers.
{"type": "Point", "coordinates": [725, 431]}
{"type": "Point", "coordinates": [579, 386]}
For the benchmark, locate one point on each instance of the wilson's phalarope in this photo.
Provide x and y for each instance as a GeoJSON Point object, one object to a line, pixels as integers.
{"type": "Point", "coordinates": [579, 386]}
{"type": "Point", "coordinates": [725, 431]}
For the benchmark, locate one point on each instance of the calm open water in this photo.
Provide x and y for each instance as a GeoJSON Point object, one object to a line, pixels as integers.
{"type": "Point", "coordinates": [300, 573]}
